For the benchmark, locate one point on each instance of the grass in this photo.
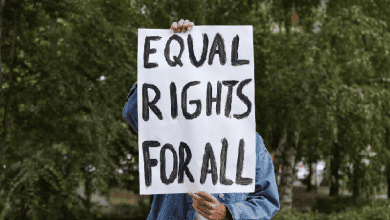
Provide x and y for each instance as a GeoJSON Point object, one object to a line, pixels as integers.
{"type": "Point", "coordinates": [303, 201]}
{"type": "Point", "coordinates": [341, 207]}
{"type": "Point", "coordinates": [127, 203]}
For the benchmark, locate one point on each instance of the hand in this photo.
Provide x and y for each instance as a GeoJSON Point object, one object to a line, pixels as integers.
{"type": "Point", "coordinates": [208, 206]}
{"type": "Point", "coordinates": [182, 26]}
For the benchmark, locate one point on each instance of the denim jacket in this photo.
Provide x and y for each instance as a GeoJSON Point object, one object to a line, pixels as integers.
{"type": "Point", "coordinates": [261, 204]}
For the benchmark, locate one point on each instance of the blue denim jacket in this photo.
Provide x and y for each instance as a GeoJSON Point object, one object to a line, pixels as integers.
{"type": "Point", "coordinates": [262, 204]}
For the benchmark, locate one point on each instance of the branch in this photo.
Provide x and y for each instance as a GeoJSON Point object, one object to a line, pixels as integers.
{"type": "Point", "coordinates": [8, 121]}
{"type": "Point", "coordinates": [380, 79]}
{"type": "Point", "coordinates": [82, 199]}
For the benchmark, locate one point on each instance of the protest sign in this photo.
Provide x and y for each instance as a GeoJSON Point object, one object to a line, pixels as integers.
{"type": "Point", "coordinates": [196, 112]}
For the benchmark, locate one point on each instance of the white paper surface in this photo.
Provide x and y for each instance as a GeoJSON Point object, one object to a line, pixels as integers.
{"type": "Point", "coordinates": [203, 129]}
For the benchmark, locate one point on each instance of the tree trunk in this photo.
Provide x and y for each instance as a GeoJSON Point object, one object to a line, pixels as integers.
{"type": "Point", "coordinates": [334, 166]}
{"type": "Point", "coordinates": [278, 154]}
{"type": "Point", "coordinates": [54, 35]}
{"type": "Point", "coordinates": [88, 194]}
{"type": "Point", "coordinates": [287, 176]}
{"type": "Point", "coordinates": [312, 178]}
{"type": "Point", "coordinates": [1, 68]}
{"type": "Point", "coordinates": [387, 168]}
{"type": "Point", "coordinates": [309, 186]}
{"type": "Point", "coordinates": [356, 178]}
{"type": "Point", "coordinates": [7, 121]}
{"type": "Point", "coordinates": [388, 180]}
{"type": "Point", "coordinates": [23, 206]}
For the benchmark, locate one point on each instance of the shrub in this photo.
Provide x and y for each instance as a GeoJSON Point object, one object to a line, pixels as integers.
{"type": "Point", "coordinates": [293, 214]}
{"type": "Point", "coordinates": [339, 203]}
{"type": "Point", "coordinates": [142, 211]}
{"type": "Point", "coordinates": [372, 210]}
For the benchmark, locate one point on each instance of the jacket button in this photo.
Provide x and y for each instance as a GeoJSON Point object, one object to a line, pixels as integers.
{"type": "Point", "coordinates": [220, 195]}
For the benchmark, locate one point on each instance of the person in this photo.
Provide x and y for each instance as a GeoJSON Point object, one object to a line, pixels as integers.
{"type": "Point", "coordinates": [261, 204]}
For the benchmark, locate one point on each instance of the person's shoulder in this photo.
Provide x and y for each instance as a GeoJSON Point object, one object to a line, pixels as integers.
{"type": "Point", "coordinates": [132, 90]}
{"type": "Point", "coordinates": [260, 144]}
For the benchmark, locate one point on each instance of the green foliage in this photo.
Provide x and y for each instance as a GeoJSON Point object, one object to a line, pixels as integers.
{"type": "Point", "coordinates": [331, 86]}
{"type": "Point", "coordinates": [338, 204]}
{"type": "Point", "coordinates": [141, 210]}
{"type": "Point", "coordinates": [375, 211]}
{"type": "Point", "coordinates": [64, 118]}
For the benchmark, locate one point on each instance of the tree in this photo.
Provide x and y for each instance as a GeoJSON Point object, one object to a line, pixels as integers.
{"type": "Point", "coordinates": [64, 119]}
{"type": "Point", "coordinates": [351, 64]}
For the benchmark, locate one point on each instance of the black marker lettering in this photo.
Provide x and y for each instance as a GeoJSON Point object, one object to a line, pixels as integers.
{"type": "Point", "coordinates": [235, 60]}
{"type": "Point", "coordinates": [228, 106]}
{"type": "Point", "coordinates": [240, 165]}
{"type": "Point", "coordinates": [209, 155]}
{"type": "Point", "coordinates": [149, 163]}
{"type": "Point", "coordinates": [243, 99]}
{"type": "Point", "coordinates": [152, 105]}
{"type": "Point", "coordinates": [183, 163]}
{"type": "Point", "coordinates": [173, 100]}
{"type": "Point", "coordinates": [148, 51]}
{"type": "Point", "coordinates": [163, 175]}
{"type": "Point", "coordinates": [167, 49]}
{"type": "Point", "coordinates": [191, 50]}
{"type": "Point", "coordinates": [187, 115]}
{"type": "Point", "coordinates": [210, 100]}
{"type": "Point", "coordinates": [218, 41]}
{"type": "Point", "coordinates": [223, 179]}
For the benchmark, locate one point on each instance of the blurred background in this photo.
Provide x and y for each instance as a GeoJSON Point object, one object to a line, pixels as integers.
{"type": "Point", "coordinates": [322, 96]}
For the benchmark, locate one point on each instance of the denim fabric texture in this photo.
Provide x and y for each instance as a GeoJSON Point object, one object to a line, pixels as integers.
{"type": "Point", "coordinates": [262, 204]}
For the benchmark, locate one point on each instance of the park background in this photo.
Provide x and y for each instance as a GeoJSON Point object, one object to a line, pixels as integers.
{"type": "Point", "coordinates": [322, 91]}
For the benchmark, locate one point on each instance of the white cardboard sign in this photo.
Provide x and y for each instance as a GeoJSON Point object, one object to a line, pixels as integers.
{"type": "Point", "coordinates": [196, 111]}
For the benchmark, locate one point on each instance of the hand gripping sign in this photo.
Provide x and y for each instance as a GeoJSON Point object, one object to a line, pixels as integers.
{"type": "Point", "coordinates": [185, 80]}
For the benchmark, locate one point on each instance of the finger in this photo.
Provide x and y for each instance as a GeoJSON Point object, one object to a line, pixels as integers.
{"type": "Point", "coordinates": [207, 196]}
{"type": "Point", "coordinates": [194, 196]}
{"type": "Point", "coordinates": [197, 198]}
{"type": "Point", "coordinates": [190, 26]}
{"type": "Point", "coordinates": [181, 23]}
{"type": "Point", "coordinates": [201, 202]}
{"type": "Point", "coordinates": [201, 210]}
{"type": "Point", "coordinates": [186, 23]}
{"type": "Point", "coordinates": [174, 26]}
{"type": "Point", "coordinates": [207, 205]}
{"type": "Point", "coordinates": [191, 194]}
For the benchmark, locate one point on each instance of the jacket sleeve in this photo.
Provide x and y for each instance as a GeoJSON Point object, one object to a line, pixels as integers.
{"type": "Point", "coordinates": [264, 202]}
{"type": "Point", "coordinates": [130, 112]}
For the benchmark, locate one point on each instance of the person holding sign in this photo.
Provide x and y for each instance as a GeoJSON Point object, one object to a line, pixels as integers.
{"type": "Point", "coordinates": [192, 158]}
